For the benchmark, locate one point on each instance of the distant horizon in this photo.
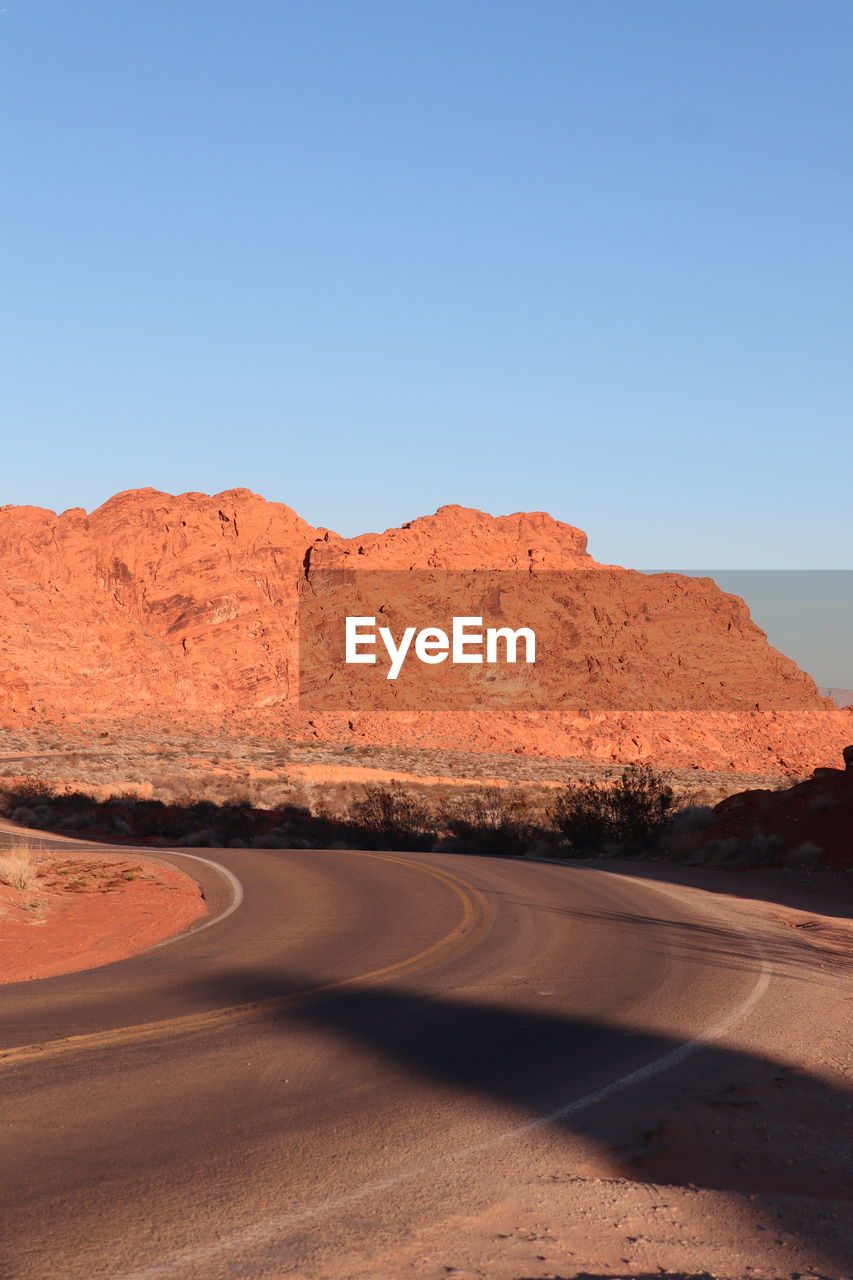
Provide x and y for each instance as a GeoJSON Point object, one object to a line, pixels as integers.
{"type": "Point", "coordinates": [831, 691]}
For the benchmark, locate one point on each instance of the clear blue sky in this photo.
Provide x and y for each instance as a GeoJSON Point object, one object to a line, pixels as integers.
{"type": "Point", "coordinates": [371, 257]}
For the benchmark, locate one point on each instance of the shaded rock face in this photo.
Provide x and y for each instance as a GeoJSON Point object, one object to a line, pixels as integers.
{"type": "Point", "coordinates": [156, 608]}
{"type": "Point", "coordinates": [810, 824]}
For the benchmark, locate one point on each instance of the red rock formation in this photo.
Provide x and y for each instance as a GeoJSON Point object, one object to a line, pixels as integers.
{"type": "Point", "coordinates": [461, 538]}
{"type": "Point", "coordinates": [152, 604]}
{"type": "Point", "coordinates": [158, 607]}
{"type": "Point", "coordinates": [809, 824]}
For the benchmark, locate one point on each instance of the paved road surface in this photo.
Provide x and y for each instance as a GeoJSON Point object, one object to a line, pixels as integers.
{"type": "Point", "coordinates": [370, 1046]}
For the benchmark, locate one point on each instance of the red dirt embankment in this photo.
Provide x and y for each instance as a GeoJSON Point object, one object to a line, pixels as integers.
{"type": "Point", "coordinates": [84, 910]}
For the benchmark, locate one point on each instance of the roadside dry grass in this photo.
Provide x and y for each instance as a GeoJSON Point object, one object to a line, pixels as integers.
{"type": "Point", "coordinates": [19, 865]}
{"type": "Point", "coordinates": [85, 909]}
{"type": "Point", "coordinates": [30, 877]}
{"type": "Point", "coordinates": [21, 870]}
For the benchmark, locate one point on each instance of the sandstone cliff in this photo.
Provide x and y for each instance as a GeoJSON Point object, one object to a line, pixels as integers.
{"type": "Point", "coordinates": [156, 607]}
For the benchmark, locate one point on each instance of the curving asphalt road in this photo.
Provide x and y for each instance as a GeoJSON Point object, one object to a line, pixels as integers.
{"type": "Point", "coordinates": [368, 1046]}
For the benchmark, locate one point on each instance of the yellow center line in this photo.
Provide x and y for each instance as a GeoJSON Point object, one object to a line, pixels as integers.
{"type": "Point", "coordinates": [476, 916]}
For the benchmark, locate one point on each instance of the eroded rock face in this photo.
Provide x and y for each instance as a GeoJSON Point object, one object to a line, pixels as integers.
{"type": "Point", "coordinates": [460, 538]}
{"type": "Point", "coordinates": [156, 607]}
{"type": "Point", "coordinates": [152, 603]}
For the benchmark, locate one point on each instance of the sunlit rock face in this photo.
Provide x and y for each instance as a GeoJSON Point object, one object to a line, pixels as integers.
{"type": "Point", "coordinates": [157, 608]}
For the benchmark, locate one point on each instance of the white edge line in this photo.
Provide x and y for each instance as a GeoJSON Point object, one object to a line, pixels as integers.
{"type": "Point", "coordinates": [263, 1233]}
{"type": "Point", "coordinates": [152, 855]}
{"type": "Point", "coordinates": [236, 898]}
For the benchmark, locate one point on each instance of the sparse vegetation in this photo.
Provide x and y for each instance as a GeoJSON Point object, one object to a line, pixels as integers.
{"type": "Point", "coordinates": [37, 905]}
{"type": "Point", "coordinates": [631, 813]}
{"type": "Point", "coordinates": [807, 854]}
{"type": "Point", "coordinates": [163, 789]}
{"type": "Point", "coordinates": [391, 818]}
{"type": "Point", "coordinates": [32, 878]}
{"type": "Point", "coordinates": [104, 758]}
{"type": "Point", "coordinates": [495, 820]}
{"type": "Point", "coordinates": [19, 866]}
{"type": "Point", "coordinates": [628, 814]}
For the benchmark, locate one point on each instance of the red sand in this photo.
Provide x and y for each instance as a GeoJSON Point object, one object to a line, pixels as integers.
{"type": "Point", "coordinates": [88, 910]}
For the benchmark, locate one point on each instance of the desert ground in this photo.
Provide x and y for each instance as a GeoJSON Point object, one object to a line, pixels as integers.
{"type": "Point", "coordinates": [108, 759]}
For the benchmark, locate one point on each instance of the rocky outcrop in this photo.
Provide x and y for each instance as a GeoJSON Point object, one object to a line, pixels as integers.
{"type": "Point", "coordinates": [808, 824]}
{"type": "Point", "coordinates": [156, 608]}
{"type": "Point", "coordinates": [461, 538]}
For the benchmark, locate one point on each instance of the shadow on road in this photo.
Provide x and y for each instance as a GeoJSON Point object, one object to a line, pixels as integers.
{"type": "Point", "coordinates": [716, 1118]}
{"type": "Point", "coordinates": [826, 892]}
{"type": "Point", "coordinates": [793, 956]}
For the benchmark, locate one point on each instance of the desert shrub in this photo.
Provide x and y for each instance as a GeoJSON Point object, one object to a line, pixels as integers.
{"type": "Point", "coordinates": [177, 821]}
{"type": "Point", "coordinates": [29, 793]}
{"type": "Point", "coordinates": [807, 854]}
{"type": "Point", "coordinates": [19, 866]}
{"type": "Point", "coordinates": [169, 785]}
{"type": "Point", "coordinates": [296, 827]}
{"type": "Point", "coordinates": [76, 801]}
{"type": "Point", "coordinates": [389, 818]}
{"type": "Point", "coordinates": [235, 791]}
{"type": "Point", "coordinates": [755, 849]}
{"type": "Point", "coordinates": [692, 817]}
{"type": "Point", "coordinates": [761, 848]}
{"type": "Point", "coordinates": [630, 812]}
{"type": "Point", "coordinates": [24, 816]}
{"type": "Point", "coordinates": [795, 780]}
{"type": "Point", "coordinates": [235, 822]}
{"type": "Point", "coordinates": [128, 809]}
{"type": "Point", "coordinates": [493, 820]}
{"type": "Point", "coordinates": [204, 839]}
{"type": "Point", "coordinates": [201, 811]}
{"type": "Point", "coordinates": [729, 850]}
{"type": "Point", "coordinates": [76, 821]}
{"type": "Point", "coordinates": [144, 817]}
{"type": "Point", "coordinates": [683, 834]}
